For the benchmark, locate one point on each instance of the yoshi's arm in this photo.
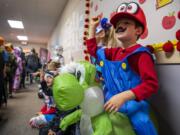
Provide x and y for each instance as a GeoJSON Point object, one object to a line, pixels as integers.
{"type": "Point", "coordinates": [70, 119]}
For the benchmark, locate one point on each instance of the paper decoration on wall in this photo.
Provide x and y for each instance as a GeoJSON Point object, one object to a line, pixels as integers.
{"type": "Point", "coordinates": [96, 7]}
{"type": "Point", "coordinates": [168, 47]}
{"type": "Point", "coordinates": [86, 25]}
{"type": "Point", "coordinates": [142, 1]}
{"type": "Point", "coordinates": [178, 34]}
{"type": "Point", "coordinates": [168, 22]}
{"type": "Point", "coordinates": [85, 51]}
{"type": "Point", "coordinates": [178, 46]}
{"type": "Point", "coordinates": [162, 3]}
{"type": "Point", "coordinates": [91, 5]}
{"type": "Point", "coordinates": [150, 48]}
{"type": "Point", "coordinates": [179, 15]}
{"type": "Point", "coordinates": [144, 35]}
{"type": "Point", "coordinates": [86, 58]}
{"type": "Point", "coordinates": [167, 52]}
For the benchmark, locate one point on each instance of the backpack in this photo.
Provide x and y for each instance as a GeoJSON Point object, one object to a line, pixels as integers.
{"type": "Point", "coordinates": [33, 62]}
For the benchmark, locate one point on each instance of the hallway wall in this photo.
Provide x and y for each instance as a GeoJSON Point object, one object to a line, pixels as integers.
{"type": "Point", "coordinates": [69, 31]}
{"type": "Point", "coordinates": [167, 101]}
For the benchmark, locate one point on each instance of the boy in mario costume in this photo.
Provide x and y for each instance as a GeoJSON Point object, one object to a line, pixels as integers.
{"type": "Point", "coordinates": [128, 71]}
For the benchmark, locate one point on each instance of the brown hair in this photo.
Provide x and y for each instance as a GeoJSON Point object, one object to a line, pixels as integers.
{"type": "Point", "coordinates": [138, 24]}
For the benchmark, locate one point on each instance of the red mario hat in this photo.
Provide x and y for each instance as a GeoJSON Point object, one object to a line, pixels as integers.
{"type": "Point", "coordinates": [129, 10]}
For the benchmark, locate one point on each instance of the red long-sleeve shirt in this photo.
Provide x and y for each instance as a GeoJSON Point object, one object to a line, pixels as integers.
{"type": "Point", "coordinates": [141, 63]}
{"type": "Point", "coordinates": [46, 110]}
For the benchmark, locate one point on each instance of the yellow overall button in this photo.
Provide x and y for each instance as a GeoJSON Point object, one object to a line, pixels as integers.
{"type": "Point", "coordinates": [124, 66]}
{"type": "Point", "coordinates": [101, 63]}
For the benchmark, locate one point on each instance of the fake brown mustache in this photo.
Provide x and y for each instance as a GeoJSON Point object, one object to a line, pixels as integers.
{"type": "Point", "coordinates": [120, 29]}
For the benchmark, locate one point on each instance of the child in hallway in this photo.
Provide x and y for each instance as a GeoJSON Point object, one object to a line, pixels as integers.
{"type": "Point", "coordinates": [104, 35]}
{"type": "Point", "coordinates": [128, 71]}
{"type": "Point", "coordinates": [48, 110]}
{"type": "Point", "coordinates": [19, 68]}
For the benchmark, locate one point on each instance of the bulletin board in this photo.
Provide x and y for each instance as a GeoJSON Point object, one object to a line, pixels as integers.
{"type": "Point", "coordinates": [43, 55]}
{"type": "Point", "coordinates": [69, 32]}
{"type": "Point", "coordinates": [163, 20]}
{"type": "Point", "coordinates": [72, 36]}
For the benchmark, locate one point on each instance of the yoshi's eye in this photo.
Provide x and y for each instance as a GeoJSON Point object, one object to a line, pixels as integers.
{"type": "Point", "coordinates": [80, 73]}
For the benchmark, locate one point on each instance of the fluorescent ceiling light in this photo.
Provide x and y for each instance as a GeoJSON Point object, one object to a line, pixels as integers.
{"type": "Point", "coordinates": [16, 24]}
{"type": "Point", "coordinates": [24, 38]}
{"type": "Point", "coordinates": [24, 43]}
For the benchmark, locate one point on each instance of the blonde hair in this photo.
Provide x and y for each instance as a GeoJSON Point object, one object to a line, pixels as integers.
{"type": "Point", "coordinates": [110, 39]}
{"type": "Point", "coordinates": [8, 47]}
{"type": "Point", "coordinates": [52, 66]}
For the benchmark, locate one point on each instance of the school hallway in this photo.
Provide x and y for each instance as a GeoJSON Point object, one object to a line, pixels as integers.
{"type": "Point", "coordinates": [20, 109]}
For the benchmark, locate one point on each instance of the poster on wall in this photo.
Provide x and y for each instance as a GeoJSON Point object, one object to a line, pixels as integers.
{"type": "Point", "coordinates": [43, 55]}
{"type": "Point", "coordinates": [162, 3]}
{"type": "Point", "coordinates": [161, 24]}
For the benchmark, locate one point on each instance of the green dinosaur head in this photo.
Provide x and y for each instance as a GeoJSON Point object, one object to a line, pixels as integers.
{"type": "Point", "coordinates": [67, 92]}
{"type": "Point", "coordinates": [69, 86]}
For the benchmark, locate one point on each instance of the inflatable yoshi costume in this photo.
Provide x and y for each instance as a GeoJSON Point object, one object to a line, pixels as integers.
{"type": "Point", "coordinates": [75, 86]}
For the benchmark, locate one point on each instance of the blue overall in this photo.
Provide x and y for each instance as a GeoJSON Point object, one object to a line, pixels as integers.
{"type": "Point", "coordinates": [118, 77]}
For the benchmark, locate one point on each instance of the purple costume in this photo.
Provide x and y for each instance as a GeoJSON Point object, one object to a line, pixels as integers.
{"type": "Point", "coordinates": [17, 53]}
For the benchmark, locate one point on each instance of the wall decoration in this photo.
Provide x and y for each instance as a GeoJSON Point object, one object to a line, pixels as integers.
{"type": "Point", "coordinates": [48, 56]}
{"type": "Point", "coordinates": [88, 5]}
{"type": "Point", "coordinates": [178, 34]}
{"type": "Point", "coordinates": [85, 51]}
{"type": "Point", "coordinates": [179, 15]}
{"type": "Point", "coordinates": [168, 47]}
{"type": "Point", "coordinates": [91, 5]}
{"type": "Point", "coordinates": [43, 55]}
{"type": "Point", "coordinates": [151, 48]}
{"type": "Point", "coordinates": [162, 3]}
{"type": "Point", "coordinates": [96, 7]}
{"type": "Point", "coordinates": [178, 46]}
{"type": "Point", "coordinates": [86, 58]}
{"type": "Point", "coordinates": [142, 1]}
{"type": "Point", "coordinates": [168, 22]}
{"type": "Point", "coordinates": [87, 12]}
{"type": "Point", "coordinates": [166, 53]}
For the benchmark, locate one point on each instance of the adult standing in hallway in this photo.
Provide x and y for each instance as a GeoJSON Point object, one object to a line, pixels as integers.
{"type": "Point", "coordinates": [3, 98]}
{"type": "Point", "coordinates": [11, 66]}
{"type": "Point", "coordinates": [33, 64]}
{"type": "Point", "coordinates": [23, 75]}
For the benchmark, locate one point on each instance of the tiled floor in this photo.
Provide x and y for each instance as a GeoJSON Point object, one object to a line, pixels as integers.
{"type": "Point", "coordinates": [20, 109]}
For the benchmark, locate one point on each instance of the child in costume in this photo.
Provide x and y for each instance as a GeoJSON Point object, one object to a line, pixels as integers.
{"type": "Point", "coordinates": [10, 67]}
{"type": "Point", "coordinates": [76, 86]}
{"type": "Point", "coordinates": [128, 71]}
{"type": "Point", "coordinates": [16, 83]}
{"type": "Point", "coordinates": [105, 38]}
{"type": "Point", "coordinates": [48, 110]}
